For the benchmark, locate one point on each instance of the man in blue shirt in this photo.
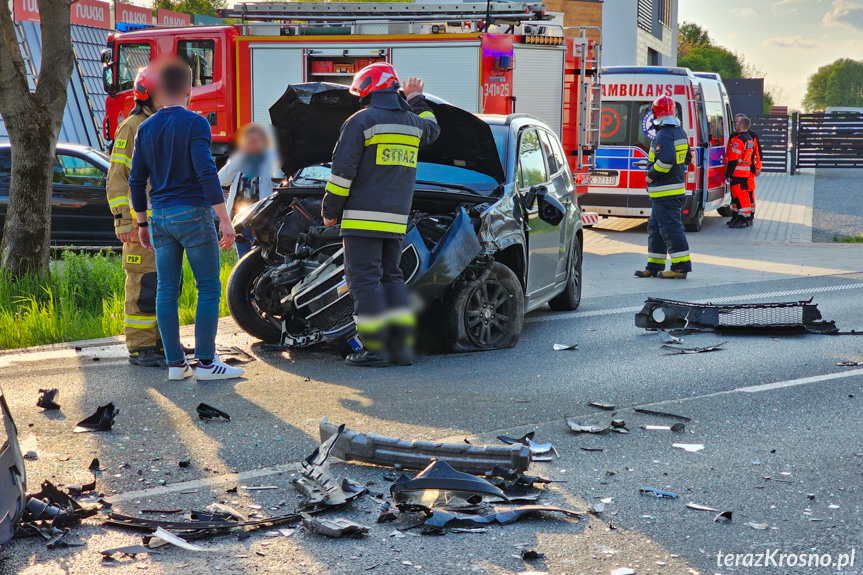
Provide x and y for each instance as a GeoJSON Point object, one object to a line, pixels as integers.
{"type": "Point", "coordinates": [172, 151]}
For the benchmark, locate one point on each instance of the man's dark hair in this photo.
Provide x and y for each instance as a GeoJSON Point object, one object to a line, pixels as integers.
{"type": "Point", "coordinates": [176, 79]}
{"type": "Point", "coordinates": [744, 122]}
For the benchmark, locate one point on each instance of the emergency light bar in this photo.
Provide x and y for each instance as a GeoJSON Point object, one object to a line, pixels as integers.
{"type": "Point", "coordinates": [358, 11]}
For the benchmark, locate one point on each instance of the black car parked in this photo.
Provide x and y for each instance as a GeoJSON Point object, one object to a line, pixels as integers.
{"type": "Point", "coordinates": [79, 208]}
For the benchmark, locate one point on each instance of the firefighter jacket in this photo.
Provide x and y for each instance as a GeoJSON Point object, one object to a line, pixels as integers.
{"type": "Point", "coordinates": [667, 161]}
{"type": "Point", "coordinates": [118, 172]}
{"type": "Point", "coordinates": [738, 155]}
{"type": "Point", "coordinates": [375, 163]}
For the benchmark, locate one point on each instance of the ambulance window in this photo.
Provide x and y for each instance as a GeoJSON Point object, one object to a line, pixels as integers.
{"type": "Point", "coordinates": [715, 123]}
{"type": "Point", "coordinates": [132, 57]}
{"type": "Point", "coordinates": [531, 165]}
{"type": "Point", "coordinates": [199, 55]}
{"type": "Point", "coordinates": [644, 129]}
{"type": "Point", "coordinates": [614, 129]}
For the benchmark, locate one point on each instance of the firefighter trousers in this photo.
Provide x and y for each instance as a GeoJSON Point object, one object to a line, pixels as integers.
{"type": "Point", "coordinates": [375, 282]}
{"type": "Point", "coordinates": [139, 309]}
{"type": "Point", "coordinates": [666, 237]}
{"type": "Point", "coordinates": [740, 193]}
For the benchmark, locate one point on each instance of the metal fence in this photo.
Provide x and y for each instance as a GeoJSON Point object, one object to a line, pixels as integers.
{"type": "Point", "coordinates": [773, 136]}
{"type": "Point", "coordinates": [827, 141]}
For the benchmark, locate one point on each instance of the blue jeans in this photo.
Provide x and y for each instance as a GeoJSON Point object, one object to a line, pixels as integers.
{"type": "Point", "coordinates": [174, 231]}
{"type": "Point", "coordinates": [665, 235]}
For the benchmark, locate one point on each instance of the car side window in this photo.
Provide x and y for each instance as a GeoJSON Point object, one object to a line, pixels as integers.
{"type": "Point", "coordinates": [75, 171]}
{"type": "Point", "coordinates": [199, 55]}
{"type": "Point", "coordinates": [5, 167]}
{"type": "Point", "coordinates": [531, 165]}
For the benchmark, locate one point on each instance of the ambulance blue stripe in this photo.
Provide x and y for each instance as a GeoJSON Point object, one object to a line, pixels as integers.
{"type": "Point", "coordinates": [612, 163]}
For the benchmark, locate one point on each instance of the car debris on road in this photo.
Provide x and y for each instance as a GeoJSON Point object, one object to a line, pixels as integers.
{"type": "Point", "coordinates": [338, 527]}
{"type": "Point", "coordinates": [102, 420]}
{"type": "Point", "coordinates": [48, 399]}
{"type": "Point", "coordinates": [206, 412]}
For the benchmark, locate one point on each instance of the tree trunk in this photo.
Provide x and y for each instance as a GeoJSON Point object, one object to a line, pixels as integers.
{"type": "Point", "coordinates": [33, 121]}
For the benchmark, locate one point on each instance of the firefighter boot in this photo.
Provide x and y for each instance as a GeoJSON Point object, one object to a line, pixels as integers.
{"type": "Point", "coordinates": [401, 344]}
{"type": "Point", "coordinates": [645, 274]}
{"type": "Point", "coordinates": [374, 352]}
{"type": "Point", "coordinates": [672, 275]}
{"type": "Point", "coordinates": [147, 357]}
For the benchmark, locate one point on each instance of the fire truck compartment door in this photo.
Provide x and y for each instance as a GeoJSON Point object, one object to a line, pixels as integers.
{"type": "Point", "coordinates": [450, 72]}
{"type": "Point", "coordinates": [273, 68]}
{"type": "Point", "coordinates": [537, 84]}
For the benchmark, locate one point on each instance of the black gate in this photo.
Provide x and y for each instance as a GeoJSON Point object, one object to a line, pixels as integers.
{"type": "Point", "coordinates": [773, 136]}
{"type": "Point", "coordinates": [828, 141]}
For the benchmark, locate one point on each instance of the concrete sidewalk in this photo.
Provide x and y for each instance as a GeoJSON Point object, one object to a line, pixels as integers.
{"type": "Point", "coordinates": [778, 246]}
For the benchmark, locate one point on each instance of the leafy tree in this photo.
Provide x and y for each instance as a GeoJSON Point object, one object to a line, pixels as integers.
{"type": "Point", "coordinates": [689, 36]}
{"type": "Point", "coordinates": [839, 83]}
{"type": "Point", "coordinates": [202, 7]}
{"type": "Point", "coordinates": [33, 121]}
{"type": "Point", "coordinates": [713, 59]}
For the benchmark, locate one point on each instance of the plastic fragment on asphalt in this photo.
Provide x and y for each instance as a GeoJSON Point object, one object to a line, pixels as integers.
{"type": "Point", "coordinates": [677, 427]}
{"type": "Point", "coordinates": [206, 412]}
{"type": "Point", "coordinates": [48, 399]}
{"type": "Point", "coordinates": [318, 484]}
{"type": "Point", "coordinates": [531, 555]}
{"type": "Point", "coordinates": [698, 507]}
{"type": "Point", "coordinates": [758, 526]}
{"type": "Point", "coordinates": [565, 347]}
{"type": "Point", "coordinates": [591, 449]}
{"type": "Point", "coordinates": [178, 541]}
{"type": "Point", "coordinates": [661, 414]}
{"type": "Point", "coordinates": [844, 364]}
{"type": "Point", "coordinates": [599, 508]}
{"type": "Point", "coordinates": [723, 517]}
{"type": "Point", "coordinates": [468, 530]}
{"type": "Point", "coordinates": [657, 493]}
{"type": "Point", "coordinates": [397, 534]}
{"type": "Point", "coordinates": [592, 424]}
{"type": "Point", "coordinates": [536, 449]}
{"type": "Point", "coordinates": [503, 515]}
{"type": "Point", "coordinates": [127, 550]}
{"type": "Point", "coordinates": [392, 452]}
{"type": "Point", "coordinates": [102, 420]}
{"type": "Point", "coordinates": [623, 571]}
{"type": "Point", "coordinates": [601, 405]}
{"type": "Point", "coordinates": [691, 350]}
{"type": "Point", "coordinates": [185, 464]}
{"type": "Point", "coordinates": [668, 338]}
{"type": "Point", "coordinates": [338, 527]}
{"type": "Point", "coordinates": [688, 447]}
{"type": "Point", "coordinates": [439, 477]}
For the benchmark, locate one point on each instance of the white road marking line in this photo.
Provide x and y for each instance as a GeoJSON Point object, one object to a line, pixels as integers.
{"type": "Point", "coordinates": [801, 381]}
{"type": "Point", "coordinates": [727, 299]}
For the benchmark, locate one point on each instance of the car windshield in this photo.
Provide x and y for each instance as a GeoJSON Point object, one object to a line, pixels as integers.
{"type": "Point", "coordinates": [426, 173]}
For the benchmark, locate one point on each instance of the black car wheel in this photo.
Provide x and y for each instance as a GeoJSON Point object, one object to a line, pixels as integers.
{"type": "Point", "coordinates": [570, 298]}
{"type": "Point", "coordinates": [486, 313]}
{"type": "Point", "coordinates": [696, 222]}
{"type": "Point", "coordinates": [241, 299]}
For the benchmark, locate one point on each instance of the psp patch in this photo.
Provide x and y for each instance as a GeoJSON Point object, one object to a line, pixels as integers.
{"type": "Point", "coordinates": [397, 155]}
{"type": "Point", "coordinates": [133, 259]}
{"type": "Point", "coordinates": [120, 144]}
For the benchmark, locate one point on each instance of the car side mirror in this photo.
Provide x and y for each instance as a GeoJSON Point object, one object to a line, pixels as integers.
{"type": "Point", "coordinates": [530, 197]}
{"type": "Point", "coordinates": [551, 211]}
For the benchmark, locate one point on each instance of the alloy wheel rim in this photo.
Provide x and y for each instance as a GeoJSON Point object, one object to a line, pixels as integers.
{"type": "Point", "coordinates": [488, 314]}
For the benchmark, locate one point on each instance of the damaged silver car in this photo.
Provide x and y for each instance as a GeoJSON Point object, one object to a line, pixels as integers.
{"type": "Point", "coordinates": [495, 230]}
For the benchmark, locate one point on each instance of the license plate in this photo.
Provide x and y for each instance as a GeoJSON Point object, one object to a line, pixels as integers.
{"type": "Point", "coordinates": [603, 178]}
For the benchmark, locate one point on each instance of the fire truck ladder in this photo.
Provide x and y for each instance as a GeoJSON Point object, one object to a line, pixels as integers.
{"type": "Point", "coordinates": [591, 94]}
{"type": "Point", "coordinates": [500, 12]}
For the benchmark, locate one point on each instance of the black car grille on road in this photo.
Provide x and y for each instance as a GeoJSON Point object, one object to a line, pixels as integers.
{"type": "Point", "coordinates": [336, 316]}
{"type": "Point", "coordinates": [409, 263]}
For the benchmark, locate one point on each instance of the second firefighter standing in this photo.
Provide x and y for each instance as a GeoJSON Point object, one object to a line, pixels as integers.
{"type": "Point", "coordinates": [371, 190]}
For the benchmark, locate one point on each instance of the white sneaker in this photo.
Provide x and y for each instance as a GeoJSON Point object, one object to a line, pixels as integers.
{"type": "Point", "coordinates": [217, 370]}
{"type": "Point", "coordinates": [180, 373]}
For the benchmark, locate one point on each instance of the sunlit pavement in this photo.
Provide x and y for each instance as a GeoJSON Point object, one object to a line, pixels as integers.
{"type": "Point", "coordinates": [779, 421]}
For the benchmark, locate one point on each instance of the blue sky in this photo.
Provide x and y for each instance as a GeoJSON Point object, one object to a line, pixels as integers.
{"type": "Point", "coordinates": [787, 39]}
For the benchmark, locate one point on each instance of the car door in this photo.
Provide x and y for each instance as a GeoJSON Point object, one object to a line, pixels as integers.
{"type": "Point", "coordinates": [79, 207]}
{"type": "Point", "coordinates": [542, 237]}
{"type": "Point", "coordinates": [560, 186]}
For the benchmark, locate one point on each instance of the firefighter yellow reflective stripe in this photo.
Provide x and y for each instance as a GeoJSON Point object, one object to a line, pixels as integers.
{"type": "Point", "coordinates": [665, 193]}
{"type": "Point", "coordinates": [118, 201]}
{"type": "Point", "coordinates": [656, 260]}
{"type": "Point", "coordinates": [661, 166]}
{"type": "Point", "coordinates": [139, 321]}
{"type": "Point", "coordinates": [651, 156]}
{"type": "Point", "coordinates": [366, 324]}
{"type": "Point", "coordinates": [336, 189]}
{"type": "Point", "coordinates": [393, 139]}
{"type": "Point", "coordinates": [402, 318]}
{"type": "Point", "coordinates": [375, 216]}
{"type": "Point", "coordinates": [428, 116]}
{"type": "Point", "coordinates": [681, 147]}
{"type": "Point", "coordinates": [678, 257]}
{"type": "Point", "coordinates": [374, 226]}
{"type": "Point", "coordinates": [393, 129]}
{"type": "Point", "coordinates": [121, 159]}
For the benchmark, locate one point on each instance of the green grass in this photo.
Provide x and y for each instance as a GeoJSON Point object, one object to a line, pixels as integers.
{"type": "Point", "coordinates": [848, 239]}
{"type": "Point", "coordinates": [82, 298]}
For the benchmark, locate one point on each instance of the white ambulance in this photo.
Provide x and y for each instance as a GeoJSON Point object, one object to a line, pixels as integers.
{"type": "Point", "coordinates": [617, 183]}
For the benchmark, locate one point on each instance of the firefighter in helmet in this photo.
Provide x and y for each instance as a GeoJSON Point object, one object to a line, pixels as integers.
{"type": "Point", "coordinates": [139, 263]}
{"type": "Point", "coordinates": [666, 175]}
{"type": "Point", "coordinates": [370, 192]}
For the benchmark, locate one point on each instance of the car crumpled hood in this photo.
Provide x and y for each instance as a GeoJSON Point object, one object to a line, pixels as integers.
{"type": "Point", "coordinates": [308, 117]}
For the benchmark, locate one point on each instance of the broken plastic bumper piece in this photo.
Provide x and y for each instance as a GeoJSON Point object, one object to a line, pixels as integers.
{"type": "Point", "coordinates": [800, 316]}
{"type": "Point", "coordinates": [394, 452]}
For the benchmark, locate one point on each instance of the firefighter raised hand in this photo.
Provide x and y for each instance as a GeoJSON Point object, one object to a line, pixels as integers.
{"type": "Point", "coordinates": [413, 86]}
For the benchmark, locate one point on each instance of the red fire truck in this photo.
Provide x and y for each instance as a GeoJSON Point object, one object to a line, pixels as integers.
{"type": "Point", "coordinates": [492, 58]}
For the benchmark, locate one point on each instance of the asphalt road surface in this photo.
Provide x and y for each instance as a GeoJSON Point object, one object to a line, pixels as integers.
{"type": "Point", "coordinates": [778, 419]}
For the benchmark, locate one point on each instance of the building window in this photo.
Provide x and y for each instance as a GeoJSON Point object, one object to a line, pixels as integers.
{"type": "Point", "coordinates": [653, 57]}
{"type": "Point", "coordinates": [665, 13]}
{"type": "Point", "coordinates": [645, 15]}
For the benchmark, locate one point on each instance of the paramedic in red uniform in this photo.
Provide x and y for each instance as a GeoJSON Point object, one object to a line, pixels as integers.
{"type": "Point", "coordinates": [738, 158]}
{"type": "Point", "coordinates": [370, 189]}
{"type": "Point", "coordinates": [756, 168]}
{"type": "Point", "coordinates": [666, 173]}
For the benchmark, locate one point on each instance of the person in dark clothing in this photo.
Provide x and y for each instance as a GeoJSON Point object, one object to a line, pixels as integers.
{"type": "Point", "coordinates": [172, 151]}
{"type": "Point", "coordinates": [667, 160]}
{"type": "Point", "coordinates": [371, 189]}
